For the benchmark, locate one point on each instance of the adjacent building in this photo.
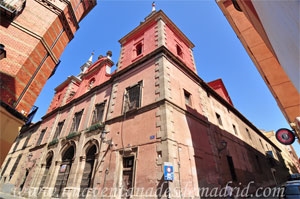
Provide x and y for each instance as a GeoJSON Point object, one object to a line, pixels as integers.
{"type": "Point", "coordinates": [33, 35]}
{"type": "Point", "coordinates": [110, 133]}
{"type": "Point", "coordinates": [288, 153]}
{"type": "Point", "coordinates": [269, 32]}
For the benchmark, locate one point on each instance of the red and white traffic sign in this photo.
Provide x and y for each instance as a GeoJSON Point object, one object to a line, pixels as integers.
{"type": "Point", "coordinates": [285, 136]}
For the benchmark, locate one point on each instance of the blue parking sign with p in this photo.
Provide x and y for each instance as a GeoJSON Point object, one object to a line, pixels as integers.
{"type": "Point", "coordinates": [168, 171]}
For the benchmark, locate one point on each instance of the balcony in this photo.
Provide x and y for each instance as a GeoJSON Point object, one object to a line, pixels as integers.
{"type": "Point", "coordinates": [11, 8]}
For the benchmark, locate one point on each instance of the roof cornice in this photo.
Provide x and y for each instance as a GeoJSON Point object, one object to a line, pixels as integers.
{"type": "Point", "coordinates": [167, 53]}
{"type": "Point", "coordinates": [67, 81]}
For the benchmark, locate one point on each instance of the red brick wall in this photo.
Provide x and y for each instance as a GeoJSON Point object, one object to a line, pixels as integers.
{"type": "Point", "coordinates": [25, 50]}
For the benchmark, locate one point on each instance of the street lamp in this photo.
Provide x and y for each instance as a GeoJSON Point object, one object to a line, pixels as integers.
{"type": "Point", "coordinates": [2, 52]}
{"type": "Point", "coordinates": [223, 146]}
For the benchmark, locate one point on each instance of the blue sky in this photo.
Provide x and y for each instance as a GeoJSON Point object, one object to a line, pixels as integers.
{"type": "Point", "coordinates": [218, 52]}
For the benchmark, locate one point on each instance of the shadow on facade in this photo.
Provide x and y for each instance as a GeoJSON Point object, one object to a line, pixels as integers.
{"type": "Point", "coordinates": [238, 161]}
{"type": "Point", "coordinates": [7, 86]}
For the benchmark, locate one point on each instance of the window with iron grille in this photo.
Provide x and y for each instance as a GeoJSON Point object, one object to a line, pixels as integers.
{"type": "Point", "coordinates": [132, 98]}
{"type": "Point", "coordinates": [12, 171]}
{"type": "Point", "coordinates": [58, 129]}
{"type": "Point", "coordinates": [76, 122]}
{"type": "Point", "coordinates": [41, 137]}
{"type": "Point", "coordinates": [98, 113]}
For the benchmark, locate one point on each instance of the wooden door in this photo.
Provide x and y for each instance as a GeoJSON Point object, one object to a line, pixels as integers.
{"type": "Point", "coordinates": [127, 178]}
{"type": "Point", "coordinates": [86, 178]}
{"type": "Point", "coordinates": [62, 179]}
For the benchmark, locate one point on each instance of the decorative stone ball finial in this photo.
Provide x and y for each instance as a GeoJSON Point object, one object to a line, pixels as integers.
{"type": "Point", "coordinates": [109, 54]}
{"type": "Point", "coordinates": [100, 56]}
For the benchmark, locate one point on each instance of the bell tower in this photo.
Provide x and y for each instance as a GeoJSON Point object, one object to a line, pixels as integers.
{"type": "Point", "coordinates": [155, 31]}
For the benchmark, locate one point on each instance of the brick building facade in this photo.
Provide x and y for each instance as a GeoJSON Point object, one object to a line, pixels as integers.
{"type": "Point", "coordinates": [34, 33]}
{"type": "Point", "coordinates": [114, 131]}
{"type": "Point", "coordinates": [269, 32]}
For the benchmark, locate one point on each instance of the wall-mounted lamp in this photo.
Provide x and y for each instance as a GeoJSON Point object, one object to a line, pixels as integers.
{"type": "Point", "coordinates": [223, 146]}
{"type": "Point", "coordinates": [2, 51]}
{"type": "Point", "coordinates": [104, 132]}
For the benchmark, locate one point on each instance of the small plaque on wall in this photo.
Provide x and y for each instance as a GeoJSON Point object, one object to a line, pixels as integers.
{"type": "Point", "coordinates": [62, 168]}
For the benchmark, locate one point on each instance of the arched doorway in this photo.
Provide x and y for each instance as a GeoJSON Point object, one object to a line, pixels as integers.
{"type": "Point", "coordinates": [64, 171]}
{"type": "Point", "coordinates": [86, 181]}
{"type": "Point", "coordinates": [48, 164]}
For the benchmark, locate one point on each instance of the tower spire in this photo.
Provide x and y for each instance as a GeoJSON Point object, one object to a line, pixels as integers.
{"type": "Point", "coordinates": [153, 6]}
{"type": "Point", "coordinates": [86, 65]}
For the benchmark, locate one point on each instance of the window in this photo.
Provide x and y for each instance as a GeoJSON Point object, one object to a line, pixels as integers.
{"type": "Point", "coordinates": [5, 167]}
{"type": "Point", "coordinates": [15, 166]}
{"type": "Point", "coordinates": [261, 144]}
{"type": "Point", "coordinates": [16, 145]}
{"type": "Point", "coordinates": [58, 129]}
{"type": "Point", "coordinates": [234, 129]}
{"type": "Point", "coordinates": [219, 119]}
{"type": "Point", "coordinates": [139, 49]}
{"type": "Point", "coordinates": [248, 134]}
{"type": "Point", "coordinates": [26, 141]}
{"type": "Point", "coordinates": [91, 83]}
{"type": "Point", "coordinates": [132, 98]}
{"type": "Point", "coordinates": [41, 137]}
{"type": "Point", "coordinates": [187, 98]}
{"type": "Point", "coordinates": [98, 113]}
{"type": "Point", "coordinates": [231, 167]}
{"type": "Point", "coordinates": [76, 121]}
{"type": "Point", "coordinates": [179, 51]}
